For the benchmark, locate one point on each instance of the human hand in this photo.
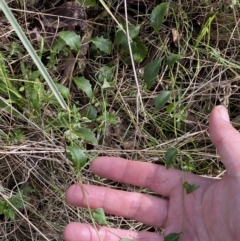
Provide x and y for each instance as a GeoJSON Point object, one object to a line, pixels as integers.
{"type": "Point", "coordinates": [211, 213]}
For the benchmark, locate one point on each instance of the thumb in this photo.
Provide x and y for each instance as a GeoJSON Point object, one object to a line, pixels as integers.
{"type": "Point", "coordinates": [226, 139]}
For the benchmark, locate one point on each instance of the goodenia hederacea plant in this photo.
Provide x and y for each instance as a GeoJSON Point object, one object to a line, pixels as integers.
{"type": "Point", "coordinates": [4, 7]}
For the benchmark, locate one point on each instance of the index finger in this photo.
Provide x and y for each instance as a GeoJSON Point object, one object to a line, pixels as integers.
{"type": "Point", "coordinates": [154, 177]}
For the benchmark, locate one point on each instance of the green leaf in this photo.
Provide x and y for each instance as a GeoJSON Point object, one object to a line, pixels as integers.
{"type": "Point", "coordinates": [105, 84]}
{"type": "Point", "coordinates": [63, 90]}
{"type": "Point", "coordinates": [190, 187]}
{"type": "Point", "coordinates": [77, 157]}
{"type": "Point", "coordinates": [139, 50]}
{"type": "Point", "coordinates": [88, 3]}
{"type": "Point", "coordinates": [172, 59]}
{"type": "Point", "coordinates": [91, 112]}
{"type": "Point", "coordinates": [9, 213]}
{"type": "Point", "coordinates": [169, 156]}
{"type": "Point", "coordinates": [71, 39]}
{"type": "Point", "coordinates": [6, 107]}
{"type": "Point", "coordinates": [17, 201]}
{"type": "Point", "coordinates": [170, 108]}
{"type": "Point", "coordinates": [2, 206]}
{"type": "Point", "coordinates": [121, 38]}
{"type": "Point", "coordinates": [151, 72]}
{"type": "Point", "coordinates": [157, 16]}
{"type": "Point", "coordinates": [84, 85]}
{"type": "Point", "coordinates": [133, 30]}
{"type": "Point", "coordinates": [99, 216]}
{"type": "Point", "coordinates": [6, 85]}
{"type": "Point", "coordinates": [58, 45]}
{"type": "Point", "coordinates": [105, 45]}
{"type": "Point", "coordinates": [105, 74]}
{"type": "Point", "coordinates": [86, 135]}
{"type": "Point", "coordinates": [162, 99]}
{"type": "Point", "coordinates": [172, 237]}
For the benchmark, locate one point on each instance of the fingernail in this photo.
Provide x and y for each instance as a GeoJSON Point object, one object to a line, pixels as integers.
{"type": "Point", "coordinates": [223, 113]}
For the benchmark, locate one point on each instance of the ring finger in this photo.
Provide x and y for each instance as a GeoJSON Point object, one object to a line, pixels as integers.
{"type": "Point", "coordinates": [144, 208]}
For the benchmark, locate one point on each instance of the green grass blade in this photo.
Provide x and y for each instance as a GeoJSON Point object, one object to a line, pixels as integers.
{"type": "Point", "coordinates": [110, 13]}
{"type": "Point", "coordinates": [32, 52]}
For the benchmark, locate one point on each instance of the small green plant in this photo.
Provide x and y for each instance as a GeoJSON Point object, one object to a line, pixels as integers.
{"type": "Point", "coordinates": [99, 216]}
{"type": "Point", "coordinates": [7, 87]}
{"type": "Point", "coordinates": [105, 76]}
{"type": "Point", "coordinates": [14, 49]}
{"type": "Point", "coordinates": [4, 7]}
{"type": "Point", "coordinates": [139, 50]}
{"type": "Point", "coordinates": [190, 187]}
{"type": "Point", "coordinates": [177, 111]}
{"type": "Point", "coordinates": [77, 157]}
{"type": "Point", "coordinates": [16, 136]}
{"type": "Point", "coordinates": [103, 44]}
{"type": "Point", "coordinates": [17, 201]}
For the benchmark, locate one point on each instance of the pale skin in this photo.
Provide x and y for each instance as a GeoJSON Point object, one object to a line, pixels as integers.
{"type": "Point", "coordinates": [212, 212]}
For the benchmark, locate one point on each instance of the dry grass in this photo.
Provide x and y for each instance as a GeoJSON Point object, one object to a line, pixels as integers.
{"type": "Point", "coordinates": [33, 150]}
